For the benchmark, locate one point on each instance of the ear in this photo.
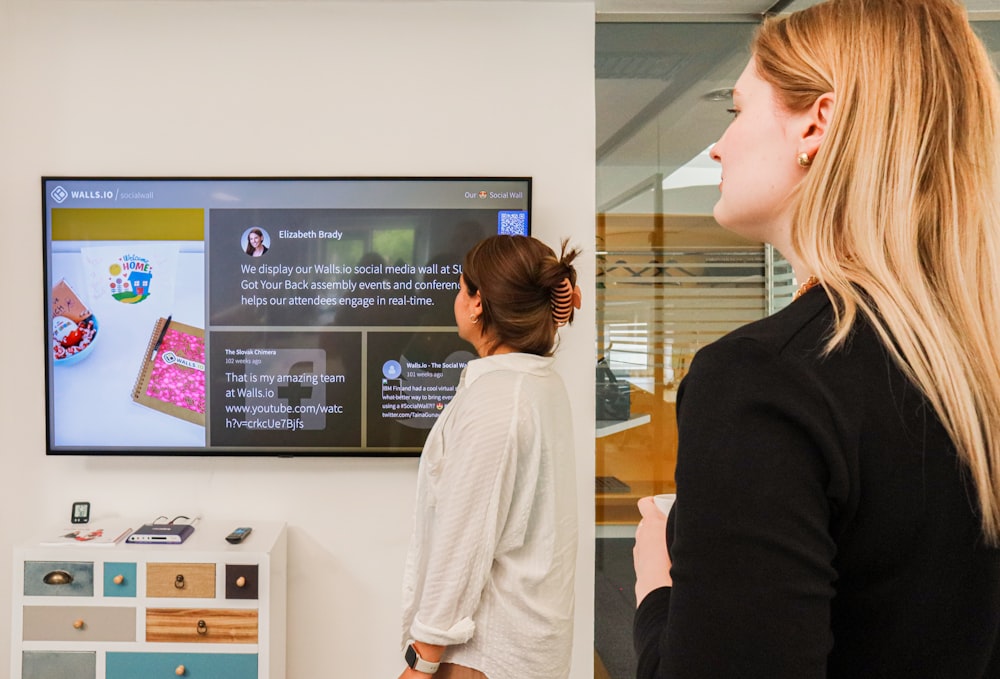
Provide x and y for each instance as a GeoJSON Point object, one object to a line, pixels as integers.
{"type": "Point", "coordinates": [815, 123]}
{"type": "Point", "coordinates": [476, 304]}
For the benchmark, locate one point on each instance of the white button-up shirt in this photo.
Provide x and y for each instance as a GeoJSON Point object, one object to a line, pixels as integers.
{"type": "Point", "coordinates": [490, 568]}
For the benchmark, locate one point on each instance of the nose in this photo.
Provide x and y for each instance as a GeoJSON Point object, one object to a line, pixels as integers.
{"type": "Point", "coordinates": [713, 153]}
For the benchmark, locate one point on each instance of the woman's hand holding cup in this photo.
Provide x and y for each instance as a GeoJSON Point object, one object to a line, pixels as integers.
{"type": "Point", "coordinates": [649, 556]}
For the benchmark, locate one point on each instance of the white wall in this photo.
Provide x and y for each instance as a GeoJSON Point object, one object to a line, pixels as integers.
{"type": "Point", "coordinates": [284, 87]}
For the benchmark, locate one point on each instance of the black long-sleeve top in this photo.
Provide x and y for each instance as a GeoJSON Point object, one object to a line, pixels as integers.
{"type": "Point", "coordinates": [824, 526]}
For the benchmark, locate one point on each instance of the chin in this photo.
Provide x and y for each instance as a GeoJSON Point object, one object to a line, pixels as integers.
{"type": "Point", "coordinates": [741, 228]}
{"type": "Point", "coordinates": [719, 213]}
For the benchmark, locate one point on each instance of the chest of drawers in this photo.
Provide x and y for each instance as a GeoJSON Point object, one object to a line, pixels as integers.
{"type": "Point", "coordinates": [203, 609]}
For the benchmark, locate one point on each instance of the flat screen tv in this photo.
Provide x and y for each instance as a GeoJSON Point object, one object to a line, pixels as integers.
{"type": "Point", "coordinates": [258, 316]}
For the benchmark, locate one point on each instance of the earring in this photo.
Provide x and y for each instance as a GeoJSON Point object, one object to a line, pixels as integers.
{"type": "Point", "coordinates": [804, 159]}
{"type": "Point", "coordinates": [474, 318]}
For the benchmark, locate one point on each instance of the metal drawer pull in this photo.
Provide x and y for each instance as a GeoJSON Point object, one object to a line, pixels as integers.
{"type": "Point", "coordinates": [78, 624]}
{"type": "Point", "coordinates": [179, 582]}
{"type": "Point", "coordinates": [180, 671]}
{"type": "Point", "coordinates": [202, 627]}
{"type": "Point", "coordinates": [241, 581]}
{"type": "Point", "coordinates": [119, 579]}
{"type": "Point", "coordinates": [57, 578]}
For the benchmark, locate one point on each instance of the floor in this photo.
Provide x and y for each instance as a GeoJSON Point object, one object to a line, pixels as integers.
{"type": "Point", "coordinates": [614, 607]}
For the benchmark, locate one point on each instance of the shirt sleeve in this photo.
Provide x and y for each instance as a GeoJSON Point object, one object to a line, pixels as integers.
{"type": "Point", "coordinates": [473, 498]}
{"type": "Point", "coordinates": [750, 542]}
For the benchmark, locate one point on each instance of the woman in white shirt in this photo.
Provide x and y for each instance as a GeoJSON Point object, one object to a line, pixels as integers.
{"type": "Point", "coordinates": [488, 580]}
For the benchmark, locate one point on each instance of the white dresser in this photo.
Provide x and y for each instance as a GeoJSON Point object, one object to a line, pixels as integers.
{"type": "Point", "coordinates": [203, 609]}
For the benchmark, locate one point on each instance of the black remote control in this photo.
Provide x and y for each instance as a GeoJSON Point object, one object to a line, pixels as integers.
{"type": "Point", "coordinates": [238, 535]}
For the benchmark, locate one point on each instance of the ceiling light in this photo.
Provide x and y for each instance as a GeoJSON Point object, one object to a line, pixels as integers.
{"type": "Point", "coordinates": [724, 94]}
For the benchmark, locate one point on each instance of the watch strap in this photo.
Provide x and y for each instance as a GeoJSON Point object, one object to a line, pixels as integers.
{"type": "Point", "coordinates": [415, 662]}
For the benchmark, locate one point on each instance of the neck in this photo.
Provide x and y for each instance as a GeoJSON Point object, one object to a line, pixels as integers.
{"type": "Point", "coordinates": [485, 347]}
{"type": "Point", "coordinates": [481, 350]}
{"type": "Point", "coordinates": [780, 238]}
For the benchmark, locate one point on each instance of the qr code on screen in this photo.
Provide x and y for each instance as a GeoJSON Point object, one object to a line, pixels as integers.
{"type": "Point", "coordinates": [512, 223]}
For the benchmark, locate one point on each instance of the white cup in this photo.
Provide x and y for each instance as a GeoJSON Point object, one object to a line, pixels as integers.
{"type": "Point", "coordinates": [664, 502]}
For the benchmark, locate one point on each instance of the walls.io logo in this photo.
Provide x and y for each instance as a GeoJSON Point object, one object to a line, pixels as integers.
{"type": "Point", "coordinates": [59, 194]}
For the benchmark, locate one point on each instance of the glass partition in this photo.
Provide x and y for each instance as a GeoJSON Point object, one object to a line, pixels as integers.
{"type": "Point", "coordinates": [669, 278]}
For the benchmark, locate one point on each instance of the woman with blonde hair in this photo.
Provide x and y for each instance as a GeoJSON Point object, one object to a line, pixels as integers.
{"type": "Point", "coordinates": [838, 475]}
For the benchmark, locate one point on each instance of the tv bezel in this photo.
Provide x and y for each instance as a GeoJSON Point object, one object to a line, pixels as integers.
{"type": "Point", "coordinates": [205, 451]}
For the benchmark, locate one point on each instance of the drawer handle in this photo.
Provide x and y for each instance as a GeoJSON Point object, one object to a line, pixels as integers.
{"type": "Point", "coordinates": [179, 581]}
{"type": "Point", "coordinates": [78, 624]}
{"type": "Point", "coordinates": [119, 579]}
{"type": "Point", "coordinates": [241, 581]}
{"type": "Point", "coordinates": [202, 628]}
{"type": "Point", "coordinates": [57, 578]}
{"type": "Point", "coordinates": [180, 671]}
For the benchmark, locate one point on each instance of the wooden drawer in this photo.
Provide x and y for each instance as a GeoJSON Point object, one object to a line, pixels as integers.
{"type": "Point", "coordinates": [241, 581]}
{"type": "Point", "coordinates": [202, 625]}
{"type": "Point", "coordinates": [78, 623]}
{"type": "Point", "coordinates": [51, 664]}
{"type": "Point", "coordinates": [119, 579]}
{"type": "Point", "coordinates": [181, 580]}
{"type": "Point", "coordinates": [168, 665]}
{"type": "Point", "coordinates": [58, 578]}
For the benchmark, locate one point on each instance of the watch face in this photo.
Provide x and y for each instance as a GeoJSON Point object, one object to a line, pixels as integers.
{"type": "Point", "coordinates": [417, 663]}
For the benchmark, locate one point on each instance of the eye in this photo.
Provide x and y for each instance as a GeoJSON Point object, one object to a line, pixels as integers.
{"type": "Point", "coordinates": [733, 111]}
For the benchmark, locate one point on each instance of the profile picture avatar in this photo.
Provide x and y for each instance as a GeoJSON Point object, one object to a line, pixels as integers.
{"type": "Point", "coordinates": [256, 242]}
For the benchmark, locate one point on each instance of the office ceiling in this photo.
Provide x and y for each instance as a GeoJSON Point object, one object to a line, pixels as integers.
{"type": "Point", "coordinates": [737, 7]}
{"type": "Point", "coordinates": [730, 7]}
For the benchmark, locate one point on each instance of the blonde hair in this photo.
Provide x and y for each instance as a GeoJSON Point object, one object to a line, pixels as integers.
{"type": "Point", "coordinates": [898, 215]}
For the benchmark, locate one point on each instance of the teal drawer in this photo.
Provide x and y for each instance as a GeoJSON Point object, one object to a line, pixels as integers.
{"type": "Point", "coordinates": [50, 664]}
{"type": "Point", "coordinates": [119, 579]}
{"type": "Point", "coordinates": [196, 665]}
{"type": "Point", "coordinates": [58, 578]}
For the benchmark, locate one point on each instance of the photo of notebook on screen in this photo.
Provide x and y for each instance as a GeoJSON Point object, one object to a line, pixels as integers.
{"type": "Point", "coordinates": [172, 376]}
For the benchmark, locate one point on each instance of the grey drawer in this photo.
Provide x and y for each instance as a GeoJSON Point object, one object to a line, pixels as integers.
{"type": "Point", "coordinates": [79, 623]}
{"type": "Point", "coordinates": [63, 664]}
{"type": "Point", "coordinates": [58, 578]}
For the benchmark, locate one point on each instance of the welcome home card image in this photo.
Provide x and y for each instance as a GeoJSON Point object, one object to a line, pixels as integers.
{"type": "Point", "coordinates": [128, 285]}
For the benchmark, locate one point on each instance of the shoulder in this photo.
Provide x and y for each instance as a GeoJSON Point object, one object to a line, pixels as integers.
{"type": "Point", "coordinates": [513, 368]}
{"type": "Point", "coordinates": [796, 334]}
{"type": "Point", "coordinates": [781, 364]}
{"type": "Point", "coordinates": [515, 383]}
{"type": "Point", "coordinates": [801, 328]}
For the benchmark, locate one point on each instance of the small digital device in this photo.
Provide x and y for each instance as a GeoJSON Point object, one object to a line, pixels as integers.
{"type": "Point", "coordinates": [166, 533]}
{"type": "Point", "coordinates": [80, 513]}
{"type": "Point", "coordinates": [238, 535]}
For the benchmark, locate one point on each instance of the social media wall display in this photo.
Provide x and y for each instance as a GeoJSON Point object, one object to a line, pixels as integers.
{"type": "Point", "coordinates": [259, 316]}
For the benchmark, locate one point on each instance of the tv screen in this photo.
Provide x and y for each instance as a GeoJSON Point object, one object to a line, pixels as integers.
{"type": "Point", "coordinates": [258, 316]}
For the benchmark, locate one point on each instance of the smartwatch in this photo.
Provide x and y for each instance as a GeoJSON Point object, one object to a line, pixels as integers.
{"type": "Point", "coordinates": [415, 662]}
